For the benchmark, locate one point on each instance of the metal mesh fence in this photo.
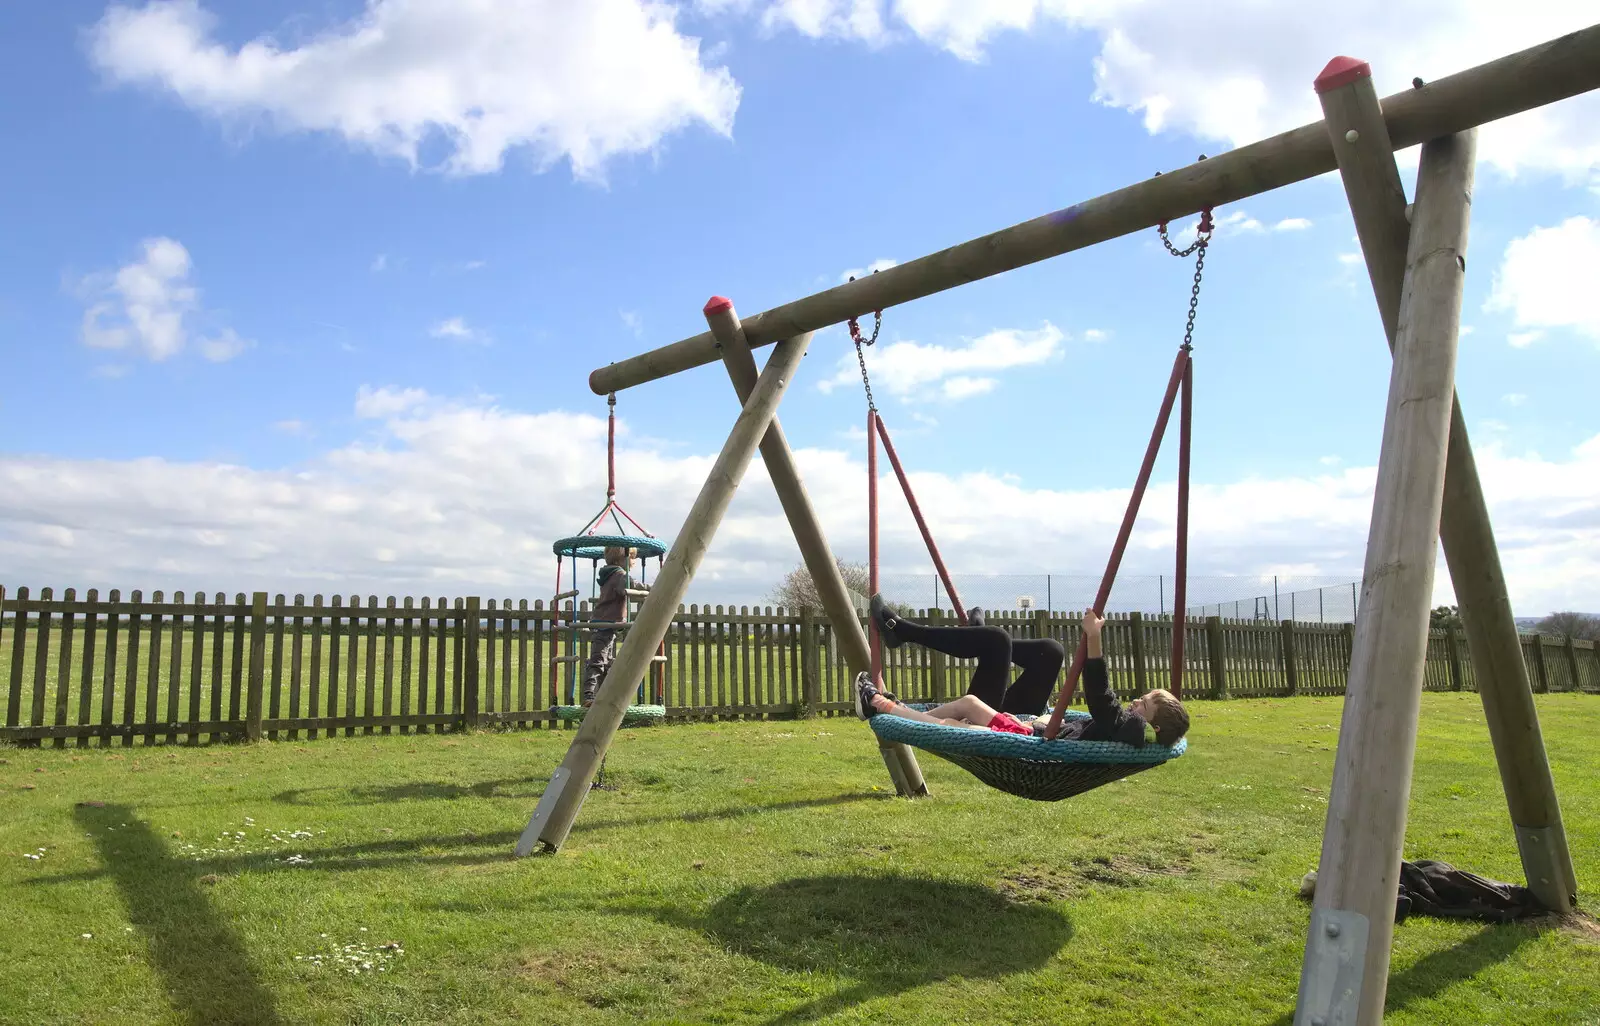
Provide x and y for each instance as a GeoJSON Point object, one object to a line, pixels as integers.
{"type": "Point", "coordinates": [1301, 598]}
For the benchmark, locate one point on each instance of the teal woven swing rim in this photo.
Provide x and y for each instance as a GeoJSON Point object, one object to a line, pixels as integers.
{"type": "Point", "coordinates": [593, 546]}
{"type": "Point", "coordinates": [959, 741]}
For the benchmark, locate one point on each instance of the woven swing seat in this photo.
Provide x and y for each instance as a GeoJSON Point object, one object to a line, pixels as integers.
{"type": "Point", "coordinates": [1028, 767]}
{"type": "Point", "coordinates": [634, 716]}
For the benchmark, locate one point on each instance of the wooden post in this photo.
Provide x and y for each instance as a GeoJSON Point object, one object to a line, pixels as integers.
{"type": "Point", "coordinates": [1572, 664]}
{"type": "Point", "coordinates": [1452, 644]}
{"type": "Point", "coordinates": [775, 453]}
{"type": "Point", "coordinates": [569, 785]}
{"type": "Point", "coordinates": [1344, 975]}
{"type": "Point", "coordinates": [469, 664]}
{"type": "Point", "coordinates": [1217, 656]}
{"type": "Point", "coordinates": [1536, 76]}
{"type": "Point", "coordinates": [1539, 664]}
{"type": "Point", "coordinates": [810, 663]}
{"type": "Point", "coordinates": [1377, 201]}
{"type": "Point", "coordinates": [258, 665]}
{"type": "Point", "coordinates": [1136, 650]}
{"type": "Point", "coordinates": [1291, 668]}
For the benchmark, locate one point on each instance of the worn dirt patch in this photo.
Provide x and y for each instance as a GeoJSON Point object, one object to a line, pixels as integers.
{"type": "Point", "coordinates": [1129, 870]}
{"type": "Point", "coordinates": [1038, 884]}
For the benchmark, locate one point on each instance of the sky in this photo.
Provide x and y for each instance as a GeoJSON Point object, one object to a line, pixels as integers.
{"type": "Point", "coordinates": [303, 295]}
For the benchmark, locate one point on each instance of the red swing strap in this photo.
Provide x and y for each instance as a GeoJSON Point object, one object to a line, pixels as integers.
{"type": "Point", "coordinates": [875, 431]}
{"type": "Point", "coordinates": [1180, 381]}
{"type": "Point", "coordinates": [1180, 368]}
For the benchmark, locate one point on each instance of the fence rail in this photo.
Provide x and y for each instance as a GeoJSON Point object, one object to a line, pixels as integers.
{"type": "Point", "coordinates": [188, 670]}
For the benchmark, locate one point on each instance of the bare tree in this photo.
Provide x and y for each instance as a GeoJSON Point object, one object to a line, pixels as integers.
{"type": "Point", "coordinates": [1578, 626]}
{"type": "Point", "coordinates": [798, 589]}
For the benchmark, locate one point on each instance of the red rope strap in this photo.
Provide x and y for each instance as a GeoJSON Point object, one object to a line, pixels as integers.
{"type": "Point", "coordinates": [1179, 370]}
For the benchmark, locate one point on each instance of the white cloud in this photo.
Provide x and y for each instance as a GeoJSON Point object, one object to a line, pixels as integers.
{"type": "Point", "coordinates": [1095, 335]}
{"type": "Point", "coordinates": [1524, 339]}
{"type": "Point", "coordinates": [223, 346]}
{"type": "Point", "coordinates": [583, 82]}
{"type": "Point", "coordinates": [961, 386]}
{"type": "Point", "coordinates": [862, 272]}
{"type": "Point", "coordinates": [1350, 259]}
{"type": "Point", "coordinates": [456, 330]}
{"type": "Point", "coordinates": [380, 263]}
{"type": "Point", "coordinates": [292, 427]}
{"type": "Point", "coordinates": [474, 265]}
{"type": "Point", "coordinates": [380, 403]}
{"type": "Point", "coordinates": [1235, 71]}
{"type": "Point", "coordinates": [1292, 224]}
{"type": "Point", "coordinates": [913, 369]}
{"type": "Point", "coordinates": [633, 322]}
{"type": "Point", "coordinates": [1546, 280]}
{"type": "Point", "coordinates": [436, 502]}
{"type": "Point", "coordinates": [1331, 461]}
{"type": "Point", "coordinates": [1513, 398]}
{"type": "Point", "coordinates": [111, 370]}
{"type": "Point", "coordinates": [150, 305]}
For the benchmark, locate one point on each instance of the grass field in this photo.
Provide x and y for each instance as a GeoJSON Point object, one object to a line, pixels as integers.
{"type": "Point", "coordinates": [746, 873]}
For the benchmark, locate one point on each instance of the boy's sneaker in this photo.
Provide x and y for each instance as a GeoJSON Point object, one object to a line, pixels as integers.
{"type": "Point", "coordinates": [886, 621]}
{"type": "Point", "coordinates": [866, 691]}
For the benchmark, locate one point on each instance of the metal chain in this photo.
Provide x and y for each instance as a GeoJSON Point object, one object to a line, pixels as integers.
{"type": "Point", "coordinates": [1194, 297]}
{"type": "Point", "coordinates": [861, 356]}
{"type": "Point", "coordinates": [1198, 246]}
{"type": "Point", "coordinates": [866, 382]}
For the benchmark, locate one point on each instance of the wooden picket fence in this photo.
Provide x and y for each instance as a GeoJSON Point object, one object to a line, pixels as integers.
{"type": "Point", "coordinates": [187, 670]}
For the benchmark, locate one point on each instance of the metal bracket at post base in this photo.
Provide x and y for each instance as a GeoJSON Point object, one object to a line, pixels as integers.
{"type": "Point", "coordinates": [1336, 958]}
{"type": "Point", "coordinates": [541, 815]}
{"type": "Point", "coordinates": [1548, 876]}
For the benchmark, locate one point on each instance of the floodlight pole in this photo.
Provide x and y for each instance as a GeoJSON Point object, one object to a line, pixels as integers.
{"type": "Point", "coordinates": [1377, 201]}
{"type": "Point", "coordinates": [569, 785]}
{"type": "Point", "coordinates": [1344, 974]}
{"type": "Point", "coordinates": [824, 570]}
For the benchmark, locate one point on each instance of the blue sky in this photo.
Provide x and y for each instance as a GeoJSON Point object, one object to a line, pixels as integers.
{"type": "Point", "coordinates": [305, 295]}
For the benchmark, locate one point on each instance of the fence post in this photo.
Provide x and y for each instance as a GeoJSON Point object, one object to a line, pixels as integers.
{"type": "Point", "coordinates": [1543, 685]}
{"type": "Point", "coordinates": [1453, 647]}
{"type": "Point", "coordinates": [1136, 650]}
{"type": "Point", "coordinates": [810, 664]}
{"type": "Point", "coordinates": [1572, 664]}
{"type": "Point", "coordinates": [1349, 652]}
{"type": "Point", "coordinates": [938, 664]}
{"type": "Point", "coordinates": [1291, 672]}
{"type": "Point", "coordinates": [1217, 657]}
{"type": "Point", "coordinates": [469, 668]}
{"type": "Point", "coordinates": [258, 655]}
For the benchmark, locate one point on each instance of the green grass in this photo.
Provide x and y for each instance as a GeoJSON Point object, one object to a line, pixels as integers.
{"type": "Point", "coordinates": [746, 873]}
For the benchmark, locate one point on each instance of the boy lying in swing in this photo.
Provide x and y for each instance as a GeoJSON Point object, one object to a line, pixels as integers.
{"type": "Point", "coordinates": [995, 650]}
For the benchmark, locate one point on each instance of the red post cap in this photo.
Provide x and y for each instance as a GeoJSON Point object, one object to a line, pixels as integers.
{"type": "Point", "coordinates": [1341, 71]}
{"type": "Point", "coordinates": [717, 304]}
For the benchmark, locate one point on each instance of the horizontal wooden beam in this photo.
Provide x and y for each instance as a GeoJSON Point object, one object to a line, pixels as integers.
{"type": "Point", "coordinates": [1544, 74]}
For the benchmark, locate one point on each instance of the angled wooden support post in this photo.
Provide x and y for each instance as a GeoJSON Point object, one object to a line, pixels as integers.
{"type": "Point", "coordinates": [775, 452]}
{"type": "Point", "coordinates": [1344, 975]}
{"type": "Point", "coordinates": [569, 785]}
{"type": "Point", "coordinates": [1362, 145]}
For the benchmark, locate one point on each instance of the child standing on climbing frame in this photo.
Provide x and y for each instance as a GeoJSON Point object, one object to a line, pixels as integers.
{"type": "Point", "coordinates": [1109, 719]}
{"type": "Point", "coordinates": [610, 608]}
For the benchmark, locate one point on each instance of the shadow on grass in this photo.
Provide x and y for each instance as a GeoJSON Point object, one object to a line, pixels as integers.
{"type": "Point", "coordinates": [1434, 973]}
{"type": "Point", "coordinates": [447, 849]}
{"type": "Point", "coordinates": [887, 933]}
{"type": "Point", "coordinates": [422, 790]}
{"type": "Point", "coordinates": [200, 958]}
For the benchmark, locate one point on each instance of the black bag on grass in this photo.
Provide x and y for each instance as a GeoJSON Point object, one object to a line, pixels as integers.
{"type": "Point", "coordinates": [1432, 888]}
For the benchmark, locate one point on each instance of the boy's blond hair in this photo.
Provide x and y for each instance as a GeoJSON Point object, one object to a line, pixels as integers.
{"type": "Point", "coordinates": [1170, 719]}
{"type": "Point", "coordinates": [616, 555]}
